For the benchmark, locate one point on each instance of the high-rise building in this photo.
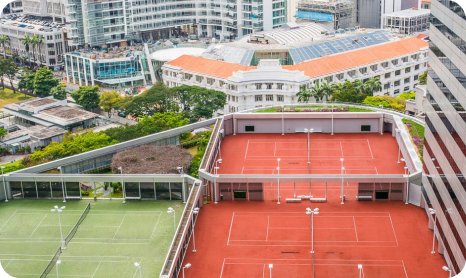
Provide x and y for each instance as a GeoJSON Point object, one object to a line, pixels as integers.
{"type": "Point", "coordinates": [370, 13]}
{"type": "Point", "coordinates": [96, 23]}
{"type": "Point", "coordinates": [444, 153]}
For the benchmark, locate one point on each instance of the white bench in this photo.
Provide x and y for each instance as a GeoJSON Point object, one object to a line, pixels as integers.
{"type": "Point", "coordinates": [314, 131]}
{"type": "Point", "coordinates": [318, 200]}
{"type": "Point", "coordinates": [293, 200]}
{"type": "Point", "coordinates": [364, 198]}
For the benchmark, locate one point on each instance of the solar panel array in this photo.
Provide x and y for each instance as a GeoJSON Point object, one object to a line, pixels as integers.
{"type": "Point", "coordinates": [229, 54]}
{"type": "Point", "coordinates": [318, 50]}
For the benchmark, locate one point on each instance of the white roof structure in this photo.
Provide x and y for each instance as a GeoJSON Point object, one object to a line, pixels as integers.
{"type": "Point", "coordinates": [408, 13]}
{"type": "Point", "coordinates": [167, 55]}
{"type": "Point", "coordinates": [291, 33]}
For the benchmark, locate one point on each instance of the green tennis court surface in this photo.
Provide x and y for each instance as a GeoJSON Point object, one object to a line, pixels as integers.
{"type": "Point", "coordinates": [108, 242]}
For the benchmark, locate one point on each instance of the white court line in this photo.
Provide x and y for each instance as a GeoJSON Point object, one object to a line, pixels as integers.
{"type": "Point", "coordinates": [254, 157]}
{"type": "Point", "coordinates": [305, 141]}
{"type": "Point", "coordinates": [96, 269]}
{"type": "Point", "coordinates": [351, 241]}
{"type": "Point", "coordinates": [155, 227]}
{"type": "Point", "coordinates": [370, 148]}
{"type": "Point", "coordinates": [38, 225]}
{"type": "Point", "coordinates": [8, 220]}
{"type": "Point", "coordinates": [119, 226]}
{"type": "Point", "coordinates": [223, 265]}
{"type": "Point", "coordinates": [242, 170]}
{"type": "Point", "coordinates": [263, 272]}
{"type": "Point", "coordinates": [394, 233]}
{"type": "Point", "coordinates": [246, 153]}
{"type": "Point", "coordinates": [7, 264]}
{"type": "Point", "coordinates": [406, 273]}
{"type": "Point", "coordinates": [231, 225]}
{"type": "Point", "coordinates": [377, 172]}
{"type": "Point", "coordinates": [355, 230]}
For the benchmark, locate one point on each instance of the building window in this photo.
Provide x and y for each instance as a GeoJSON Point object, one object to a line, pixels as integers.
{"type": "Point", "coordinates": [259, 98]}
{"type": "Point", "coordinates": [340, 76]}
{"type": "Point", "coordinates": [280, 86]}
{"type": "Point", "coordinates": [386, 86]}
{"type": "Point", "coordinates": [398, 72]}
{"type": "Point", "coordinates": [199, 79]}
{"type": "Point", "coordinates": [395, 62]}
{"type": "Point", "coordinates": [416, 77]}
{"type": "Point", "coordinates": [363, 70]}
{"type": "Point", "coordinates": [397, 91]}
{"type": "Point", "coordinates": [416, 67]}
{"type": "Point", "coordinates": [397, 83]}
{"type": "Point", "coordinates": [280, 98]}
{"type": "Point", "coordinates": [269, 97]}
{"type": "Point", "coordinates": [407, 70]}
{"type": "Point", "coordinates": [406, 88]}
{"type": "Point", "coordinates": [387, 75]}
{"type": "Point", "coordinates": [407, 80]}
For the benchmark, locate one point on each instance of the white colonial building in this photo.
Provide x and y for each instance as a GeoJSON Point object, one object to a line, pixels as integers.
{"type": "Point", "coordinates": [397, 63]}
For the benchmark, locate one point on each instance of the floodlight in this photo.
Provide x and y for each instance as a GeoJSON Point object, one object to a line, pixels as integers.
{"type": "Point", "coordinates": [270, 266]}
{"type": "Point", "coordinates": [359, 266]}
{"type": "Point", "coordinates": [188, 265]}
{"type": "Point", "coordinates": [58, 262]}
{"type": "Point", "coordinates": [136, 264]}
{"type": "Point", "coordinates": [278, 159]}
{"type": "Point", "coordinates": [220, 161]}
{"type": "Point", "coordinates": [445, 268]}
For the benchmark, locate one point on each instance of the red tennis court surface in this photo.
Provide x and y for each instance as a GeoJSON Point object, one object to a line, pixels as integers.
{"type": "Point", "coordinates": [241, 238]}
{"type": "Point", "coordinates": [368, 153]}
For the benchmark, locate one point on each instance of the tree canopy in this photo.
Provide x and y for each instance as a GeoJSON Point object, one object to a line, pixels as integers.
{"type": "Point", "coordinates": [44, 82]}
{"type": "Point", "coordinates": [387, 102]}
{"type": "Point", "coordinates": [58, 92]}
{"type": "Point", "coordinates": [109, 99]}
{"type": "Point", "coordinates": [87, 96]}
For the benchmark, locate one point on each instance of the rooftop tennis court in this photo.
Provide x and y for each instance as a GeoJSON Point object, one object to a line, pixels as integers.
{"type": "Point", "coordinates": [242, 238]}
{"type": "Point", "coordinates": [112, 237]}
{"type": "Point", "coordinates": [363, 153]}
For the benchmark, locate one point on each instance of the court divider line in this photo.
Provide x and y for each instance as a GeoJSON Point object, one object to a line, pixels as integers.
{"type": "Point", "coordinates": [8, 220]}
{"type": "Point", "coordinates": [38, 225]}
{"type": "Point", "coordinates": [370, 148]}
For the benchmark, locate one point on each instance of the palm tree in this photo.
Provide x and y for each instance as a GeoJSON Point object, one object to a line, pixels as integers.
{"type": "Point", "coordinates": [317, 92]}
{"type": "Point", "coordinates": [39, 41]}
{"type": "Point", "coordinates": [4, 39]}
{"type": "Point", "coordinates": [34, 43]}
{"type": "Point", "coordinates": [327, 90]}
{"type": "Point", "coordinates": [359, 86]}
{"type": "Point", "coordinates": [26, 40]}
{"type": "Point", "coordinates": [373, 85]}
{"type": "Point", "coordinates": [304, 95]}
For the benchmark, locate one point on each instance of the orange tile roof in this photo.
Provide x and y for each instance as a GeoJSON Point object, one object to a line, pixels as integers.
{"type": "Point", "coordinates": [360, 57]}
{"type": "Point", "coordinates": [313, 68]}
{"type": "Point", "coordinates": [208, 66]}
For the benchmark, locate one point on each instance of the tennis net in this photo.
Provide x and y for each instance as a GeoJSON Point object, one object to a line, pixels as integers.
{"type": "Point", "coordinates": [76, 226]}
{"type": "Point", "coordinates": [52, 263]}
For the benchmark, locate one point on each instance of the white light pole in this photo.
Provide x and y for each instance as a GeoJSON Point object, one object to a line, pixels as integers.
{"type": "Point", "coordinates": [181, 171]}
{"type": "Point", "coordinates": [171, 210]}
{"type": "Point", "coordinates": [360, 270]}
{"type": "Point", "coordinates": [137, 265]}
{"type": "Point", "coordinates": [219, 161]}
{"type": "Point", "coordinates": [221, 131]}
{"type": "Point", "coordinates": [56, 266]}
{"type": "Point", "coordinates": [62, 184]}
{"type": "Point", "coordinates": [195, 212]}
{"type": "Point", "coordinates": [446, 268]}
{"type": "Point", "coordinates": [122, 185]}
{"type": "Point", "coordinates": [307, 131]}
{"type": "Point", "coordinates": [399, 148]}
{"type": "Point", "coordinates": [188, 265]}
{"type": "Point", "coordinates": [278, 178]}
{"type": "Point", "coordinates": [311, 212]}
{"type": "Point", "coordinates": [433, 212]}
{"type": "Point", "coordinates": [270, 268]}
{"type": "Point", "coordinates": [4, 185]}
{"type": "Point", "coordinates": [58, 210]}
{"type": "Point", "coordinates": [407, 184]}
{"type": "Point", "coordinates": [332, 118]}
{"type": "Point", "coordinates": [342, 182]}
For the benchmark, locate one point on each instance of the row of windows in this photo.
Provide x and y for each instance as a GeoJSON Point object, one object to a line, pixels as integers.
{"type": "Point", "coordinates": [448, 33]}
{"type": "Point", "coordinates": [280, 98]}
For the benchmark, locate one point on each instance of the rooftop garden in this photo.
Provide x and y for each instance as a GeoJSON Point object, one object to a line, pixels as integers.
{"type": "Point", "coordinates": [416, 131]}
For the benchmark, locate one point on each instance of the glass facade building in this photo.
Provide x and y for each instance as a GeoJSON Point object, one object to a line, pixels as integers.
{"type": "Point", "coordinates": [444, 185]}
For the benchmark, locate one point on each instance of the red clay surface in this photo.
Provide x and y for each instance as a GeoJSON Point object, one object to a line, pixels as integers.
{"type": "Point", "coordinates": [368, 153]}
{"type": "Point", "coordinates": [241, 238]}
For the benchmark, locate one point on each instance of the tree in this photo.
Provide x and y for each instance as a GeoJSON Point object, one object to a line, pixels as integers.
{"type": "Point", "coordinates": [87, 96]}
{"type": "Point", "coordinates": [349, 93]}
{"type": "Point", "coordinates": [44, 82]}
{"type": "Point", "coordinates": [317, 92]}
{"type": "Point", "coordinates": [3, 67]}
{"type": "Point", "coordinates": [327, 90]}
{"type": "Point", "coordinates": [407, 95]}
{"type": "Point", "coordinates": [4, 39]}
{"type": "Point", "coordinates": [3, 132]}
{"type": "Point", "coordinates": [27, 82]}
{"type": "Point", "coordinates": [26, 40]}
{"type": "Point", "coordinates": [372, 85]}
{"type": "Point", "coordinates": [423, 78]}
{"type": "Point", "coordinates": [108, 100]}
{"type": "Point", "coordinates": [10, 69]}
{"type": "Point", "coordinates": [358, 85]}
{"type": "Point", "coordinates": [34, 43]}
{"type": "Point", "coordinates": [158, 99]}
{"type": "Point", "coordinates": [58, 92]}
{"type": "Point", "coordinates": [304, 95]}
{"type": "Point", "coordinates": [38, 40]}
{"type": "Point", "coordinates": [387, 102]}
